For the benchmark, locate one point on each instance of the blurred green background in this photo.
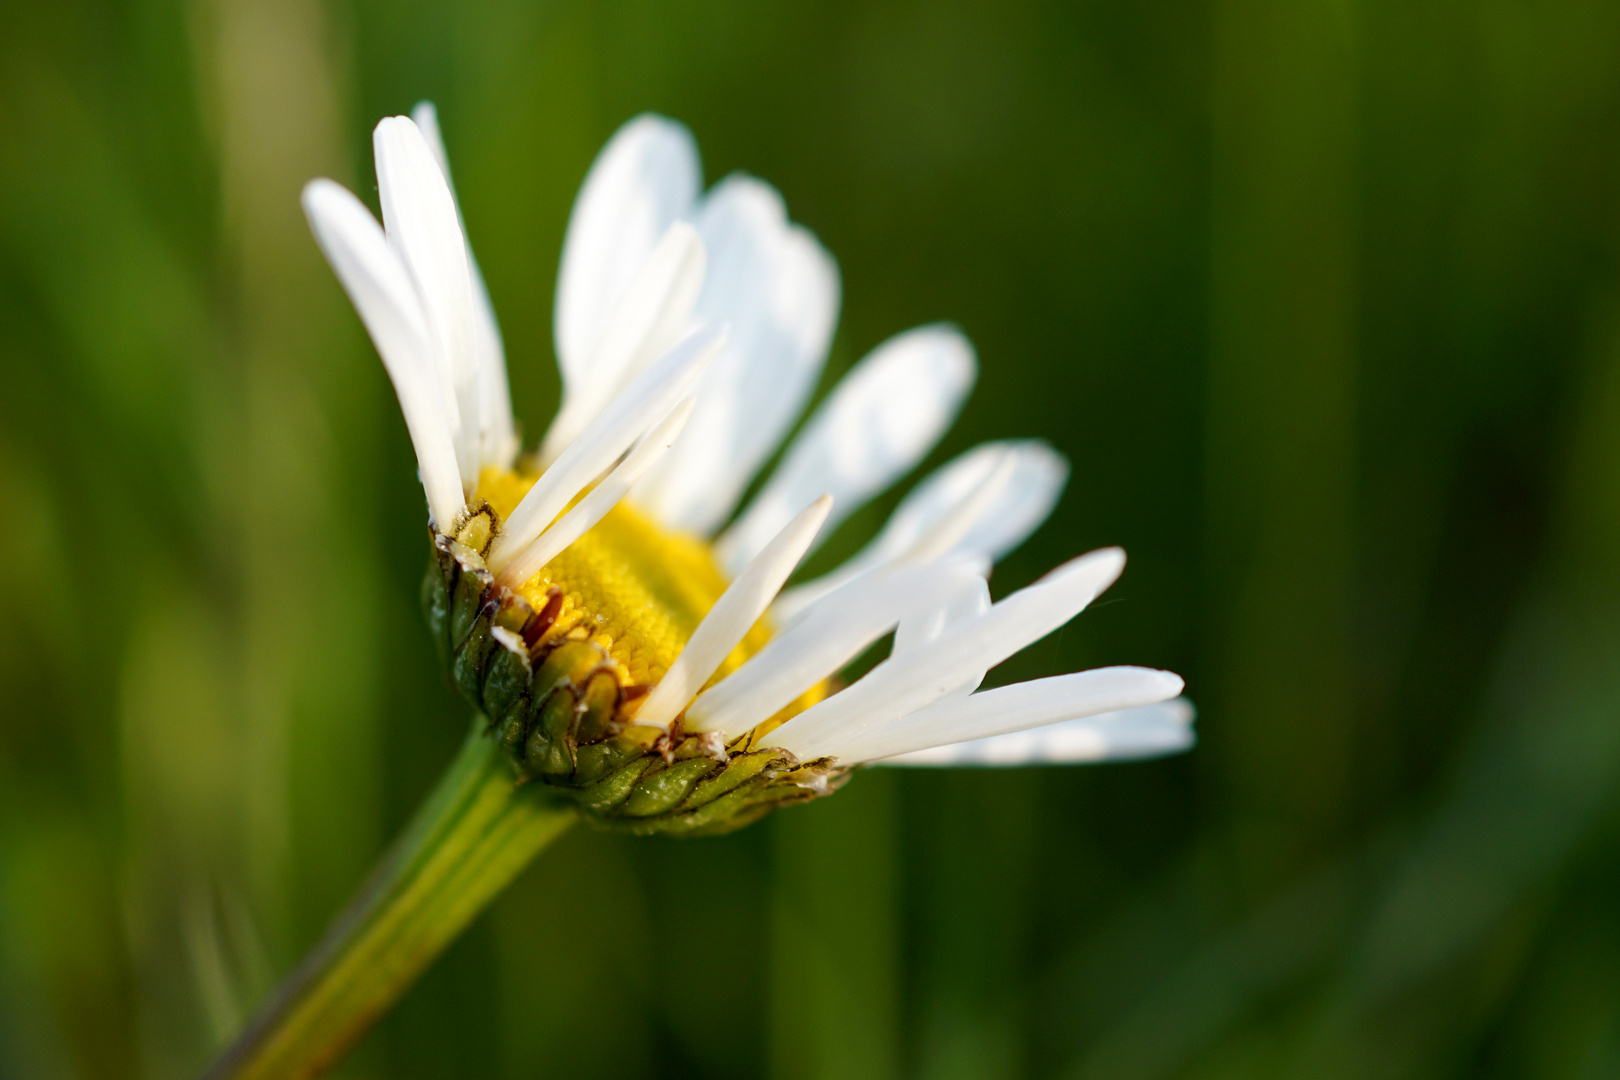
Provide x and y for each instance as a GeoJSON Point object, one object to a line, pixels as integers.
{"type": "Point", "coordinates": [1319, 296]}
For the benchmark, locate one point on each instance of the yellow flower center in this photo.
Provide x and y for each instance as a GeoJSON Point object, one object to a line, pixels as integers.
{"type": "Point", "coordinates": [633, 587]}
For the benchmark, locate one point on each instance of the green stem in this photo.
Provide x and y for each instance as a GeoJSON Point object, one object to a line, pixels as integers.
{"type": "Point", "coordinates": [472, 836]}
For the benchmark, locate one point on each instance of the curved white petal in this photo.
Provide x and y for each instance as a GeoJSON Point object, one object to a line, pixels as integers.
{"type": "Point", "coordinates": [422, 223]}
{"type": "Point", "coordinates": [425, 115]}
{"type": "Point", "coordinates": [583, 515]}
{"type": "Point", "coordinates": [908, 681]}
{"type": "Point", "coordinates": [878, 422]}
{"type": "Point", "coordinates": [645, 178]}
{"type": "Point", "coordinates": [817, 647]}
{"type": "Point", "coordinates": [1016, 708]}
{"type": "Point", "coordinates": [653, 314]}
{"type": "Point", "coordinates": [497, 426]}
{"type": "Point", "coordinates": [497, 429]}
{"type": "Point", "coordinates": [1128, 735]}
{"type": "Point", "coordinates": [650, 397]}
{"type": "Point", "coordinates": [983, 503]}
{"type": "Point", "coordinates": [962, 596]}
{"type": "Point", "coordinates": [778, 289]}
{"type": "Point", "coordinates": [382, 293]}
{"type": "Point", "coordinates": [731, 617]}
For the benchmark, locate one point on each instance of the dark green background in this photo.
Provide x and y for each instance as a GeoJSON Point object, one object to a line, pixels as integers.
{"type": "Point", "coordinates": [1320, 298]}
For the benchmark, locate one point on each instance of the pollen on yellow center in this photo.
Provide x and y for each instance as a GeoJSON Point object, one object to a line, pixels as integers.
{"type": "Point", "coordinates": [633, 587]}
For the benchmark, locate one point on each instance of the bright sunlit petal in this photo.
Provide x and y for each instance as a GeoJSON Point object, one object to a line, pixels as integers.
{"type": "Point", "coordinates": [653, 314]}
{"type": "Point", "coordinates": [642, 404]}
{"type": "Point", "coordinates": [908, 681]}
{"type": "Point", "coordinates": [497, 429]}
{"type": "Point", "coordinates": [778, 290]}
{"type": "Point", "coordinates": [1017, 707]}
{"type": "Point", "coordinates": [1129, 735]}
{"type": "Point", "coordinates": [603, 497]}
{"type": "Point", "coordinates": [382, 293]}
{"type": "Point", "coordinates": [422, 223]}
{"type": "Point", "coordinates": [642, 182]}
{"type": "Point", "coordinates": [816, 648]}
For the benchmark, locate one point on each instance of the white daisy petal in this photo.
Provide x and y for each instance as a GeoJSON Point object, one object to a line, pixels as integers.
{"type": "Point", "coordinates": [817, 647]}
{"type": "Point", "coordinates": [1016, 708]}
{"type": "Point", "coordinates": [879, 421]}
{"type": "Point", "coordinates": [421, 221]}
{"type": "Point", "coordinates": [908, 681]}
{"type": "Point", "coordinates": [603, 497]}
{"type": "Point", "coordinates": [964, 595]}
{"type": "Point", "coordinates": [381, 290]}
{"type": "Point", "coordinates": [645, 178]}
{"type": "Point", "coordinates": [651, 396]}
{"type": "Point", "coordinates": [497, 426]}
{"type": "Point", "coordinates": [778, 289]}
{"type": "Point", "coordinates": [497, 429]}
{"type": "Point", "coordinates": [1127, 735]}
{"type": "Point", "coordinates": [731, 617]}
{"type": "Point", "coordinates": [425, 115]}
{"type": "Point", "coordinates": [652, 315]}
{"type": "Point", "coordinates": [985, 502]}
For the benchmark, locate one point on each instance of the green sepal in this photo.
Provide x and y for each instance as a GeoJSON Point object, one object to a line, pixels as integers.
{"type": "Point", "coordinates": [667, 788]}
{"type": "Point", "coordinates": [598, 759]}
{"type": "Point", "coordinates": [546, 751]}
{"type": "Point", "coordinates": [746, 803]}
{"type": "Point", "coordinates": [739, 771]}
{"type": "Point", "coordinates": [598, 708]}
{"type": "Point", "coordinates": [511, 730]}
{"type": "Point", "coordinates": [558, 714]}
{"type": "Point", "coordinates": [467, 594]}
{"type": "Point", "coordinates": [506, 674]}
{"type": "Point", "coordinates": [604, 796]}
{"type": "Point", "coordinates": [467, 668]}
{"type": "Point", "coordinates": [436, 609]}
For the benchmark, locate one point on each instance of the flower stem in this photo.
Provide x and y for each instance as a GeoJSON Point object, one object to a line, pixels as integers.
{"type": "Point", "coordinates": [470, 838]}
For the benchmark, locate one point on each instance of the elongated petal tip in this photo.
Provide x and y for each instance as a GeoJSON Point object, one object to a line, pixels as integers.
{"type": "Point", "coordinates": [379, 285]}
{"type": "Point", "coordinates": [312, 192]}
{"type": "Point", "coordinates": [426, 118]}
{"type": "Point", "coordinates": [1131, 734]}
{"type": "Point", "coordinates": [1170, 684]}
{"type": "Point", "coordinates": [1101, 567]}
{"type": "Point", "coordinates": [645, 178]}
{"type": "Point", "coordinates": [424, 226]}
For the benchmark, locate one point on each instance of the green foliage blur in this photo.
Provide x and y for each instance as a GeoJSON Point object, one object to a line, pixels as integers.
{"type": "Point", "coordinates": [1321, 298]}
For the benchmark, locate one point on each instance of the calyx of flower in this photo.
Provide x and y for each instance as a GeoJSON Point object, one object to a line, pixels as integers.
{"type": "Point", "coordinates": [560, 691]}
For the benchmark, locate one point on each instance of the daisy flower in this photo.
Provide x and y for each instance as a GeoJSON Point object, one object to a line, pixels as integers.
{"type": "Point", "coordinates": [603, 601]}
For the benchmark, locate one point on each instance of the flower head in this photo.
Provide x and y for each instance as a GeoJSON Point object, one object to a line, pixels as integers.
{"type": "Point", "coordinates": [601, 601]}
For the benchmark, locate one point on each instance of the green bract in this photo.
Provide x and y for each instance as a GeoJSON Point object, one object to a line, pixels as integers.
{"type": "Point", "coordinates": [557, 709]}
